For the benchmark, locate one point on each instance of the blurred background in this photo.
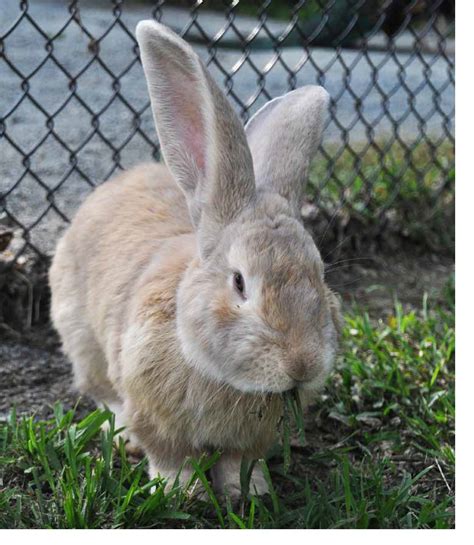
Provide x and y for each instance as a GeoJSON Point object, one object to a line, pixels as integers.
{"type": "Point", "coordinates": [74, 106]}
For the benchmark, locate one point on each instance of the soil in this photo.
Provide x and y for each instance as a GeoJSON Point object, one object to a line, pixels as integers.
{"type": "Point", "coordinates": [34, 373]}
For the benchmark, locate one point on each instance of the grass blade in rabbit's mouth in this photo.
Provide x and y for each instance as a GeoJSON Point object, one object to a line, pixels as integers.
{"type": "Point", "coordinates": [292, 410]}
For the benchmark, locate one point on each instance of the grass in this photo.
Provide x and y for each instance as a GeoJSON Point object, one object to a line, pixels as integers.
{"type": "Point", "coordinates": [379, 450]}
{"type": "Point", "coordinates": [387, 185]}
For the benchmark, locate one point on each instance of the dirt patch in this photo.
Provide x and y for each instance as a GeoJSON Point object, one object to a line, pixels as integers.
{"type": "Point", "coordinates": [374, 283]}
{"type": "Point", "coordinates": [33, 379]}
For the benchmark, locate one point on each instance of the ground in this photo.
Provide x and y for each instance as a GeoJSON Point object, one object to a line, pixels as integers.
{"type": "Point", "coordinates": [379, 439]}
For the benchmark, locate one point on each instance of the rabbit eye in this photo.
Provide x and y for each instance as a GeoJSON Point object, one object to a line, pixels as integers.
{"type": "Point", "coordinates": [239, 283]}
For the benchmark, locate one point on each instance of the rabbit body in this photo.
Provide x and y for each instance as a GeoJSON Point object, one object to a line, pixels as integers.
{"type": "Point", "coordinates": [124, 349]}
{"type": "Point", "coordinates": [189, 296]}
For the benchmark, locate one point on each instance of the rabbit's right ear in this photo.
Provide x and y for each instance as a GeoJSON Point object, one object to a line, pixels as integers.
{"type": "Point", "coordinates": [202, 139]}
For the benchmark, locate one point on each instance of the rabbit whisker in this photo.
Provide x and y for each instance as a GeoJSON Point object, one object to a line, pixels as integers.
{"type": "Point", "coordinates": [331, 221]}
{"type": "Point", "coordinates": [332, 267]}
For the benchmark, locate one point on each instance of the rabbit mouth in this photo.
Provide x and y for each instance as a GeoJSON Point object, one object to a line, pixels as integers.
{"type": "Point", "coordinates": [276, 385]}
{"type": "Point", "coordinates": [305, 385]}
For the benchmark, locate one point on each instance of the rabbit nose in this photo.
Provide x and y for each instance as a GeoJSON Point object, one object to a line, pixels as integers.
{"type": "Point", "coordinates": [300, 371]}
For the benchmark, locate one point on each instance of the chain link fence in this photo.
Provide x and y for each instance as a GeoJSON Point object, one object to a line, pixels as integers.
{"type": "Point", "coordinates": [74, 107]}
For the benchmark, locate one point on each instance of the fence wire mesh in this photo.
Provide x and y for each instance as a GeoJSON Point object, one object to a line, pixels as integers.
{"type": "Point", "coordinates": [74, 107]}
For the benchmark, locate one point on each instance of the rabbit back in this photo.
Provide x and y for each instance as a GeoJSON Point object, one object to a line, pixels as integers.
{"type": "Point", "coordinates": [117, 232]}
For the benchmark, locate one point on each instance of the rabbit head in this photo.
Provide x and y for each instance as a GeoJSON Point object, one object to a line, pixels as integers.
{"type": "Point", "coordinates": [253, 309]}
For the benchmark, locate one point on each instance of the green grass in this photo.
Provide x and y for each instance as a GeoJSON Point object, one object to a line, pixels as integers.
{"type": "Point", "coordinates": [379, 450]}
{"type": "Point", "coordinates": [409, 192]}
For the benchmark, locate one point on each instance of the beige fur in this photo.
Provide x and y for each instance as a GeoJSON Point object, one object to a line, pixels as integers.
{"type": "Point", "coordinates": [142, 281]}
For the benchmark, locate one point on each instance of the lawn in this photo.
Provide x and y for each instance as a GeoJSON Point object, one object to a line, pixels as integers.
{"type": "Point", "coordinates": [379, 450]}
{"type": "Point", "coordinates": [389, 187]}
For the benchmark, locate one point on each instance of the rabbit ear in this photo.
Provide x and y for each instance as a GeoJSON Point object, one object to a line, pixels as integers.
{"type": "Point", "coordinates": [202, 139]}
{"type": "Point", "coordinates": [284, 136]}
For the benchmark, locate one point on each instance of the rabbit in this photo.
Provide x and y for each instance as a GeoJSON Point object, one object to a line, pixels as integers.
{"type": "Point", "coordinates": [188, 295]}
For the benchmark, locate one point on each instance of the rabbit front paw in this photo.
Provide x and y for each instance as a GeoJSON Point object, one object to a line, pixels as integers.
{"type": "Point", "coordinates": [226, 478]}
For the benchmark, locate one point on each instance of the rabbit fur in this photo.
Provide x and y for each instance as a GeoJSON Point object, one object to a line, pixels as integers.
{"type": "Point", "coordinates": [145, 295]}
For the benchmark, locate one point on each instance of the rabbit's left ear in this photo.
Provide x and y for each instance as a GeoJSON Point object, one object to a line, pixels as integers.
{"type": "Point", "coordinates": [284, 136]}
